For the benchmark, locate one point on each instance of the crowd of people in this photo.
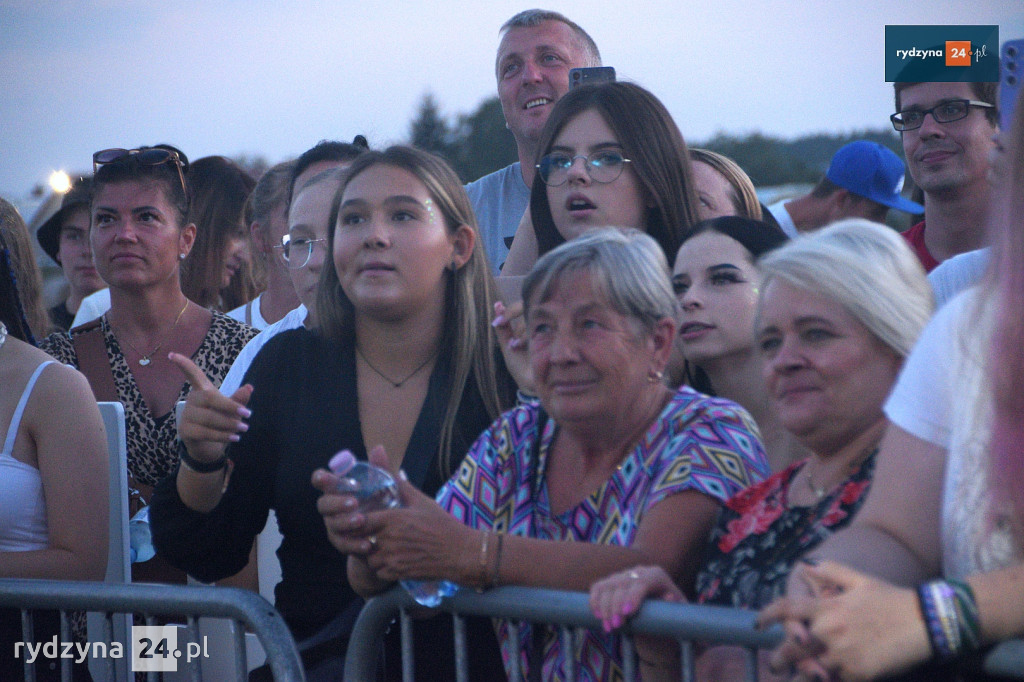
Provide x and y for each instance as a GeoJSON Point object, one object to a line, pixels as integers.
{"type": "Point", "coordinates": [607, 367]}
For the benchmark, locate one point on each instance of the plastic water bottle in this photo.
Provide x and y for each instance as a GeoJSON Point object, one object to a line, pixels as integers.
{"type": "Point", "coordinates": [140, 539]}
{"type": "Point", "coordinates": [375, 489]}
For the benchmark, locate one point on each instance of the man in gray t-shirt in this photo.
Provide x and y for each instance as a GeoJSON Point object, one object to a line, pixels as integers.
{"type": "Point", "coordinates": [537, 50]}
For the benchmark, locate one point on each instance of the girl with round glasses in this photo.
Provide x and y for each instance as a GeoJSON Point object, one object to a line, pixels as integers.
{"type": "Point", "coordinates": [611, 156]}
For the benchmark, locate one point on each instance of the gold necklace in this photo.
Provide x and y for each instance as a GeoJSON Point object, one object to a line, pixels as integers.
{"type": "Point", "coordinates": [396, 384]}
{"type": "Point", "coordinates": [146, 358]}
{"type": "Point", "coordinates": [850, 469]}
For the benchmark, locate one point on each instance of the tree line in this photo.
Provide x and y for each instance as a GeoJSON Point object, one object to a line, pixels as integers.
{"type": "Point", "coordinates": [478, 143]}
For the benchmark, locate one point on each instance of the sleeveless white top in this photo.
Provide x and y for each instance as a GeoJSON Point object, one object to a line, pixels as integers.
{"type": "Point", "coordinates": [22, 506]}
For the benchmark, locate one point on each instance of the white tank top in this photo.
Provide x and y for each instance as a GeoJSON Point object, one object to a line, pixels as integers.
{"type": "Point", "coordinates": [22, 507]}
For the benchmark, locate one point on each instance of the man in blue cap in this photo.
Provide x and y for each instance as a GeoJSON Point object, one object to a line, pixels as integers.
{"type": "Point", "coordinates": [864, 180]}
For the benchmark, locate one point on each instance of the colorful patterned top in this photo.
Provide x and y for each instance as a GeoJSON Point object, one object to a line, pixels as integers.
{"type": "Point", "coordinates": [758, 536]}
{"type": "Point", "coordinates": [696, 443]}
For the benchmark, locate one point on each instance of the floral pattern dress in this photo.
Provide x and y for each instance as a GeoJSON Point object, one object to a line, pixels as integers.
{"type": "Point", "coordinates": [758, 536]}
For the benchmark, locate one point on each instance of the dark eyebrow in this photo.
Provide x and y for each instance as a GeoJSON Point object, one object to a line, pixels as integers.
{"type": "Point", "coordinates": [944, 100]}
{"type": "Point", "coordinates": [722, 266]}
{"type": "Point", "coordinates": [593, 148]}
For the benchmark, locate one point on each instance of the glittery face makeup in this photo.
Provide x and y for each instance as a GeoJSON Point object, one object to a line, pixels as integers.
{"type": "Point", "coordinates": [429, 203]}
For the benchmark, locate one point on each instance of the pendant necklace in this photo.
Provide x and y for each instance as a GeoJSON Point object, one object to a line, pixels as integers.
{"type": "Point", "coordinates": [396, 384]}
{"type": "Point", "coordinates": [147, 358]}
{"type": "Point", "coordinates": [851, 467]}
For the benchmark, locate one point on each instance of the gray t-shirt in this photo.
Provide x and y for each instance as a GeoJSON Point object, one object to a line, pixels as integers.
{"type": "Point", "coordinates": [499, 200]}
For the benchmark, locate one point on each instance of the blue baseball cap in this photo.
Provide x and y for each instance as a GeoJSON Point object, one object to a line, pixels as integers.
{"type": "Point", "coordinates": [873, 171]}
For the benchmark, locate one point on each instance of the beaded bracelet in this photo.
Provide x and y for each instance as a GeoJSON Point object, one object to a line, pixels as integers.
{"type": "Point", "coordinates": [951, 617]}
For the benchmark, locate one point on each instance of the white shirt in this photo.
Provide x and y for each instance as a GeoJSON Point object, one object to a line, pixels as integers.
{"type": "Point", "coordinates": [233, 380]}
{"type": "Point", "coordinates": [93, 305]}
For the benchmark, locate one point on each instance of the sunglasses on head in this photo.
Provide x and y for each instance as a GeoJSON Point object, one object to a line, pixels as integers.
{"type": "Point", "coordinates": [150, 156]}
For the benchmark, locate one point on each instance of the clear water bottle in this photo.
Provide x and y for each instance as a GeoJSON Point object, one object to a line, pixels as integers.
{"type": "Point", "coordinates": [375, 489]}
{"type": "Point", "coordinates": [140, 539]}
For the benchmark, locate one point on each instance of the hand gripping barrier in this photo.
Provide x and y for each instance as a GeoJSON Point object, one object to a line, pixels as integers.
{"type": "Point", "coordinates": [567, 610]}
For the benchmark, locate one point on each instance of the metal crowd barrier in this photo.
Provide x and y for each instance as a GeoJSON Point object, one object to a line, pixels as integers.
{"type": "Point", "coordinates": [244, 607]}
{"type": "Point", "coordinates": [570, 612]}
{"type": "Point", "coordinates": [687, 623]}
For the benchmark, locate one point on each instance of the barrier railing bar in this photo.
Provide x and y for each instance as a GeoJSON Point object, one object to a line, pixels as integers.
{"type": "Point", "coordinates": [678, 621]}
{"type": "Point", "coordinates": [461, 659]}
{"type": "Point", "coordinates": [108, 636]}
{"type": "Point", "coordinates": [65, 636]}
{"type": "Point", "coordinates": [408, 653]}
{"type": "Point", "coordinates": [164, 600]}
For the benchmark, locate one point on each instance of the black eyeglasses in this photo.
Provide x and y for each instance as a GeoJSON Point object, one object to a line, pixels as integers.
{"type": "Point", "coordinates": [603, 166]}
{"type": "Point", "coordinates": [150, 156]}
{"type": "Point", "coordinates": [943, 112]}
{"type": "Point", "coordinates": [297, 252]}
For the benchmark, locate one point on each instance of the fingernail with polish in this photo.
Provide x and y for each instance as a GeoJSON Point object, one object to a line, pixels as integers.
{"type": "Point", "coordinates": [234, 438]}
{"type": "Point", "coordinates": [244, 412]}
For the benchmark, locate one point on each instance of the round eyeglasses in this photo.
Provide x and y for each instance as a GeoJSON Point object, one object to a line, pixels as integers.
{"type": "Point", "coordinates": [602, 166]}
{"type": "Point", "coordinates": [943, 112]}
{"type": "Point", "coordinates": [298, 251]}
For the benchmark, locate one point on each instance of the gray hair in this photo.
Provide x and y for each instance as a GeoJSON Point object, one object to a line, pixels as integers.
{"type": "Point", "coordinates": [865, 267]}
{"type": "Point", "coordinates": [625, 264]}
{"type": "Point", "coordinates": [530, 18]}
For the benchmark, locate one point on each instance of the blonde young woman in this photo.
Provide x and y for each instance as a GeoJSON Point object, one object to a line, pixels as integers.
{"type": "Point", "coordinates": [402, 355]}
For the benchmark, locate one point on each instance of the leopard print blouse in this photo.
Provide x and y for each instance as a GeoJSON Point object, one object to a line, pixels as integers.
{"type": "Point", "coordinates": [152, 441]}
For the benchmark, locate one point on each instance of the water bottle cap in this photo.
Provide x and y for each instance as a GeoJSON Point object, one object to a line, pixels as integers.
{"type": "Point", "coordinates": [342, 462]}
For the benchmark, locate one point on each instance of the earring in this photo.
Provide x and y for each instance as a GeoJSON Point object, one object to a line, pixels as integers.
{"type": "Point", "coordinates": [656, 376]}
{"type": "Point", "coordinates": [181, 256]}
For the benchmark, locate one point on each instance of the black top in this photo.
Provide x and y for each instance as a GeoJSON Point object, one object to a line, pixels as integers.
{"type": "Point", "coordinates": [304, 410]}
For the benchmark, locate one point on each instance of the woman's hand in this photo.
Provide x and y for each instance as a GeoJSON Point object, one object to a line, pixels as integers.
{"type": "Point", "coordinates": [615, 598]}
{"type": "Point", "coordinates": [619, 596]}
{"type": "Point", "coordinates": [419, 540]}
{"type": "Point", "coordinates": [422, 541]}
{"type": "Point", "coordinates": [345, 524]}
{"type": "Point", "coordinates": [865, 627]}
{"type": "Point", "coordinates": [510, 326]}
{"type": "Point", "coordinates": [210, 420]}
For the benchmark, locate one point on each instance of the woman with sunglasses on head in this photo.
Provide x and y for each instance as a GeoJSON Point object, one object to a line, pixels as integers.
{"type": "Point", "coordinates": [401, 354]}
{"type": "Point", "coordinates": [139, 236]}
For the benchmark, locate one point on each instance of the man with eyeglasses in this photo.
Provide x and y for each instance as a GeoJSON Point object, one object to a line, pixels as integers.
{"type": "Point", "coordinates": [537, 49]}
{"type": "Point", "coordinates": [947, 131]}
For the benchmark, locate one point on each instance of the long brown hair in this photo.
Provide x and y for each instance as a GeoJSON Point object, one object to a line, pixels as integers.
{"type": "Point", "coordinates": [469, 345]}
{"type": "Point", "coordinates": [22, 262]}
{"type": "Point", "coordinates": [219, 189]}
{"type": "Point", "coordinates": [657, 153]}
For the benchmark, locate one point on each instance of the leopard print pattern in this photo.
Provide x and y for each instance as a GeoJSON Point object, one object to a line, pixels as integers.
{"type": "Point", "coordinates": [153, 441]}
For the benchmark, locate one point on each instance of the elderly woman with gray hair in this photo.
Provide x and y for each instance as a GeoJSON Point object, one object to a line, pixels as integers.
{"type": "Point", "coordinates": [831, 349]}
{"type": "Point", "coordinates": [609, 469]}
